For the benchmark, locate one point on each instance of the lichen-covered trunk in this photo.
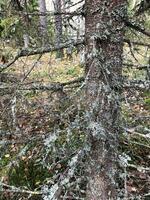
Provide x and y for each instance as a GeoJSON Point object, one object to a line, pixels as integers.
{"type": "Point", "coordinates": [43, 22]}
{"type": "Point", "coordinates": [58, 27]}
{"type": "Point", "coordinates": [104, 33]}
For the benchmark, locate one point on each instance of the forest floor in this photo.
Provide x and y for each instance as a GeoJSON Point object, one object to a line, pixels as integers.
{"type": "Point", "coordinates": [28, 116]}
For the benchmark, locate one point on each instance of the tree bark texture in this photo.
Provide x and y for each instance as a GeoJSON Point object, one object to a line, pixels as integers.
{"type": "Point", "coordinates": [104, 31]}
{"type": "Point", "coordinates": [43, 22]}
{"type": "Point", "coordinates": [58, 27]}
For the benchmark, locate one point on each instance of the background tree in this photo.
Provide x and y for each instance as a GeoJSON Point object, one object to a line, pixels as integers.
{"type": "Point", "coordinates": [43, 22]}
{"type": "Point", "coordinates": [58, 27]}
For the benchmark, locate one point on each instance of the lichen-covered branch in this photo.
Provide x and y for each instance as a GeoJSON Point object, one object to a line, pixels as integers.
{"type": "Point", "coordinates": [31, 52]}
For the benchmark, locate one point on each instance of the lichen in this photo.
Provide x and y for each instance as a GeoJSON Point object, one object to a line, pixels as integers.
{"type": "Point", "coordinates": [97, 130]}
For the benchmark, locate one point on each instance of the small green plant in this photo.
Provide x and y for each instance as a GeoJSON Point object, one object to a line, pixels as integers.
{"type": "Point", "coordinates": [28, 173]}
{"type": "Point", "coordinates": [72, 71]}
{"type": "Point", "coordinates": [31, 94]}
{"type": "Point", "coordinates": [147, 101]}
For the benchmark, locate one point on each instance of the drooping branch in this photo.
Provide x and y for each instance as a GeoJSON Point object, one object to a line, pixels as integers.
{"type": "Point", "coordinates": [31, 52]}
{"type": "Point", "coordinates": [140, 67]}
{"type": "Point", "coordinates": [136, 43]}
{"type": "Point", "coordinates": [57, 86]}
{"type": "Point", "coordinates": [74, 4]}
{"type": "Point", "coordinates": [13, 189]}
{"type": "Point", "coordinates": [6, 88]}
{"type": "Point", "coordinates": [136, 27]}
{"type": "Point", "coordinates": [28, 52]}
{"type": "Point", "coordinates": [137, 84]}
{"type": "Point", "coordinates": [3, 67]}
{"type": "Point", "coordinates": [144, 6]}
{"type": "Point", "coordinates": [48, 13]}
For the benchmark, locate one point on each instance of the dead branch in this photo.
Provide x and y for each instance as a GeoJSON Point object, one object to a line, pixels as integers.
{"type": "Point", "coordinates": [140, 67]}
{"type": "Point", "coordinates": [136, 43]}
{"type": "Point", "coordinates": [13, 189]}
{"type": "Point", "coordinates": [137, 84]}
{"type": "Point", "coordinates": [132, 133]}
{"type": "Point", "coordinates": [138, 168]}
{"type": "Point", "coordinates": [74, 13]}
{"type": "Point", "coordinates": [136, 27]}
{"type": "Point", "coordinates": [31, 52]}
{"type": "Point", "coordinates": [57, 86]}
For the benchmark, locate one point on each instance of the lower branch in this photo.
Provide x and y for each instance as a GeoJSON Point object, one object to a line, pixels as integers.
{"type": "Point", "coordinates": [128, 84]}
{"type": "Point", "coordinates": [31, 52]}
{"type": "Point", "coordinates": [136, 27]}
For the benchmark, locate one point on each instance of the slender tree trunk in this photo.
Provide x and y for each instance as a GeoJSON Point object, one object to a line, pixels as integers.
{"type": "Point", "coordinates": [43, 22]}
{"type": "Point", "coordinates": [25, 22]}
{"type": "Point", "coordinates": [26, 40]}
{"type": "Point", "coordinates": [58, 27]}
{"type": "Point", "coordinates": [104, 46]}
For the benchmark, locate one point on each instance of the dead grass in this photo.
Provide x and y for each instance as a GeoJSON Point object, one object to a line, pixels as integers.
{"type": "Point", "coordinates": [48, 68]}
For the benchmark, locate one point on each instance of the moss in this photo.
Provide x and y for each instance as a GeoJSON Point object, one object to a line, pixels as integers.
{"type": "Point", "coordinates": [147, 101]}
{"type": "Point", "coordinates": [28, 173]}
{"type": "Point", "coordinates": [136, 146]}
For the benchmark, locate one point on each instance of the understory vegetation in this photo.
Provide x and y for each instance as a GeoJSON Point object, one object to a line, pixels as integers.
{"type": "Point", "coordinates": [43, 130]}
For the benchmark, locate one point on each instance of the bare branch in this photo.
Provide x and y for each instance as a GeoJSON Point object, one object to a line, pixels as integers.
{"type": "Point", "coordinates": [137, 84]}
{"type": "Point", "coordinates": [136, 27]}
{"type": "Point", "coordinates": [140, 67]}
{"type": "Point", "coordinates": [128, 84]}
{"type": "Point", "coordinates": [50, 87]}
{"type": "Point", "coordinates": [144, 6]}
{"type": "Point", "coordinates": [31, 52]}
{"type": "Point", "coordinates": [136, 43]}
{"type": "Point", "coordinates": [13, 189]}
{"type": "Point", "coordinates": [139, 168]}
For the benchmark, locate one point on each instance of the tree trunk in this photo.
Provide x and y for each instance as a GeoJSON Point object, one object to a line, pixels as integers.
{"type": "Point", "coordinates": [58, 27]}
{"type": "Point", "coordinates": [26, 40]}
{"type": "Point", "coordinates": [43, 22]}
{"type": "Point", "coordinates": [104, 46]}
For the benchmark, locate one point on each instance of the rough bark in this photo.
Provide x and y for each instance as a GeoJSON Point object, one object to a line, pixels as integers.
{"type": "Point", "coordinates": [58, 27]}
{"type": "Point", "coordinates": [104, 46]}
{"type": "Point", "coordinates": [43, 22]}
